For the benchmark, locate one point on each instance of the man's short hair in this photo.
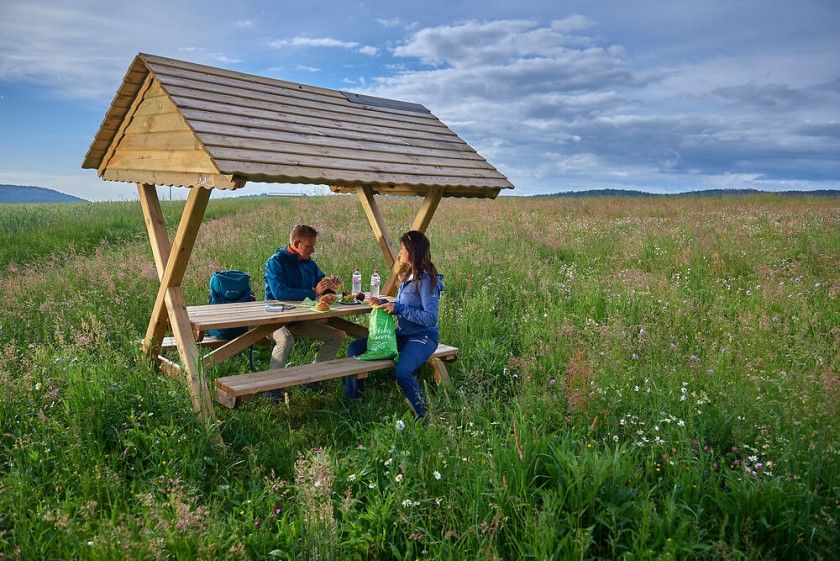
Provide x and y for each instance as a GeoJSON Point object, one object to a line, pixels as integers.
{"type": "Point", "coordinates": [301, 232]}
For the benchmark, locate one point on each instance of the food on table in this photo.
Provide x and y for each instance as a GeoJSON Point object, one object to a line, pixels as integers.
{"type": "Point", "coordinates": [360, 296]}
{"type": "Point", "coordinates": [348, 297]}
{"type": "Point", "coordinates": [322, 306]}
{"type": "Point", "coordinates": [328, 299]}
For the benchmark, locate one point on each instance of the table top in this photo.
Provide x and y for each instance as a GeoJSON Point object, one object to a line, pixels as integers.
{"type": "Point", "coordinates": [252, 314]}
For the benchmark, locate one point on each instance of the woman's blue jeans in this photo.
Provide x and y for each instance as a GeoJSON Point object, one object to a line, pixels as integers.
{"type": "Point", "coordinates": [414, 351]}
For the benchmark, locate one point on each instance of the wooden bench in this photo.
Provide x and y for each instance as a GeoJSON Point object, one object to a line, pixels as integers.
{"type": "Point", "coordinates": [232, 390]}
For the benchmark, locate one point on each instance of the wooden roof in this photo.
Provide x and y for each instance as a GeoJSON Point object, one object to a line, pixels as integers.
{"type": "Point", "coordinates": [179, 123]}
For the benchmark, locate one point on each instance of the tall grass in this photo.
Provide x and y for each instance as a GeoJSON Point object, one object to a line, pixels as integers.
{"type": "Point", "coordinates": [50, 232]}
{"type": "Point", "coordinates": [638, 379]}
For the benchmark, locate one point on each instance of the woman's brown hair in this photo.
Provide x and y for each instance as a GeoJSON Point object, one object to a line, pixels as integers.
{"type": "Point", "coordinates": [419, 257]}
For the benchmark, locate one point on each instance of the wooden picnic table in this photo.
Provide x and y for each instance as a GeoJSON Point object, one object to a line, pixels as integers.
{"type": "Point", "coordinates": [261, 323]}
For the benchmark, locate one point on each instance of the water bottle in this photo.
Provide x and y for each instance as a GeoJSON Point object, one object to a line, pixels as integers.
{"type": "Point", "coordinates": [357, 281]}
{"type": "Point", "coordinates": [374, 284]}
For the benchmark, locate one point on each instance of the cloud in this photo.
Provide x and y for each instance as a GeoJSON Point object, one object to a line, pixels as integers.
{"type": "Point", "coordinates": [329, 42]}
{"type": "Point", "coordinates": [493, 42]}
{"type": "Point", "coordinates": [553, 103]}
{"type": "Point", "coordinates": [307, 68]}
{"type": "Point", "coordinates": [390, 22]}
{"type": "Point", "coordinates": [82, 51]}
{"type": "Point", "coordinates": [244, 24]}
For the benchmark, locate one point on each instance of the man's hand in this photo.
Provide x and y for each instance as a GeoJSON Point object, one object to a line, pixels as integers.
{"type": "Point", "coordinates": [327, 283]}
{"type": "Point", "coordinates": [322, 286]}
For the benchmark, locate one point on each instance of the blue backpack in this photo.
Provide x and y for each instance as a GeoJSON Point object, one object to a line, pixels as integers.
{"type": "Point", "coordinates": [227, 287]}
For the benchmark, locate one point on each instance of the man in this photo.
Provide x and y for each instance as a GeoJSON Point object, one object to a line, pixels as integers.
{"type": "Point", "coordinates": [291, 274]}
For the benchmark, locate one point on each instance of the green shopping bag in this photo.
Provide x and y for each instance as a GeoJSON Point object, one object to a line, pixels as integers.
{"type": "Point", "coordinates": [382, 337]}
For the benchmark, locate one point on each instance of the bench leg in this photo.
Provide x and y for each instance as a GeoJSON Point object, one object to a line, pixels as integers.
{"type": "Point", "coordinates": [226, 399]}
{"type": "Point", "coordinates": [439, 372]}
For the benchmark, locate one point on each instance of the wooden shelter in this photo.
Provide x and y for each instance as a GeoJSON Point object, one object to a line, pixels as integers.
{"type": "Point", "coordinates": [183, 124]}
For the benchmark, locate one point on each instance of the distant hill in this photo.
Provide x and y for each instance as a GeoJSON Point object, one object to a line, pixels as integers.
{"type": "Point", "coordinates": [30, 194]}
{"type": "Point", "coordinates": [703, 193]}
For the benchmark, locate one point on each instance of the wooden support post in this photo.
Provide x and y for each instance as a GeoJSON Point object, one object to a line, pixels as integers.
{"type": "Point", "coordinates": [439, 372]}
{"type": "Point", "coordinates": [377, 224]}
{"type": "Point", "coordinates": [171, 264]}
{"type": "Point", "coordinates": [176, 265]}
{"type": "Point", "coordinates": [420, 223]}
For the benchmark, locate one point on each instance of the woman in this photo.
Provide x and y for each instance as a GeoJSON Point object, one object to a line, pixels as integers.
{"type": "Point", "coordinates": [416, 308]}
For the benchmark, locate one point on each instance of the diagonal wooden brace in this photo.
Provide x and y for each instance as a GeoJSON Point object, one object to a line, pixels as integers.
{"type": "Point", "coordinates": [169, 304]}
{"type": "Point", "coordinates": [377, 224]}
{"type": "Point", "coordinates": [176, 265]}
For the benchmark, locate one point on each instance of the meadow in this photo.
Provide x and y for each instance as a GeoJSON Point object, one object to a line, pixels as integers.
{"type": "Point", "coordinates": [638, 379]}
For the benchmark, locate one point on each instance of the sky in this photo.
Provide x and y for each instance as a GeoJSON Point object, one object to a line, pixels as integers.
{"type": "Point", "coordinates": [664, 96]}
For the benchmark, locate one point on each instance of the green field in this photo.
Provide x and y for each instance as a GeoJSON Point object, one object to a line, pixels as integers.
{"type": "Point", "coordinates": [638, 379]}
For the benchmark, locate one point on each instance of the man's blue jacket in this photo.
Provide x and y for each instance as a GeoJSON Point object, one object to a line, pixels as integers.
{"type": "Point", "coordinates": [289, 278]}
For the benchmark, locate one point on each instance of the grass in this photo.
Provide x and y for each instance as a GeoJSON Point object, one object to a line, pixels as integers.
{"type": "Point", "coordinates": [57, 232]}
{"type": "Point", "coordinates": [638, 379]}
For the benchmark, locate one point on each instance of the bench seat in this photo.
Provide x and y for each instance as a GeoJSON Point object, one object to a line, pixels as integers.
{"type": "Point", "coordinates": [232, 390]}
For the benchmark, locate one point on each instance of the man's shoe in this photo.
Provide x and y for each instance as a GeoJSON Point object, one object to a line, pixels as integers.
{"type": "Point", "coordinates": [277, 396]}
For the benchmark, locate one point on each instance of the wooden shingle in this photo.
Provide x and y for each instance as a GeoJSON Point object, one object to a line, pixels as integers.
{"type": "Point", "coordinates": [179, 123]}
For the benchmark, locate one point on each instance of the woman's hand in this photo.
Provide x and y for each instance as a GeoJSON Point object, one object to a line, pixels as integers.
{"type": "Point", "coordinates": [389, 307]}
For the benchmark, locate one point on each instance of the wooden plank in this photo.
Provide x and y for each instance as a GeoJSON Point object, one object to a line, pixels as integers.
{"type": "Point", "coordinates": [199, 88]}
{"type": "Point", "coordinates": [159, 241]}
{"type": "Point", "coordinates": [357, 161]}
{"type": "Point", "coordinates": [170, 299]}
{"type": "Point", "coordinates": [196, 380]}
{"type": "Point", "coordinates": [138, 99]}
{"type": "Point", "coordinates": [208, 180]}
{"type": "Point", "coordinates": [327, 148]}
{"type": "Point", "coordinates": [186, 96]}
{"type": "Point", "coordinates": [426, 211]}
{"type": "Point", "coordinates": [216, 134]}
{"type": "Point", "coordinates": [379, 128]}
{"type": "Point", "coordinates": [187, 161]}
{"type": "Point", "coordinates": [169, 343]}
{"type": "Point", "coordinates": [225, 320]}
{"type": "Point", "coordinates": [338, 176]}
{"type": "Point", "coordinates": [231, 388]}
{"type": "Point", "coordinates": [207, 123]}
{"type": "Point", "coordinates": [377, 224]}
{"type": "Point", "coordinates": [421, 191]}
{"type": "Point", "coordinates": [171, 369]}
{"type": "Point", "coordinates": [176, 140]}
{"type": "Point", "coordinates": [421, 221]}
{"type": "Point", "coordinates": [240, 343]}
{"type": "Point", "coordinates": [311, 125]}
{"type": "Point", "coordinates": [167, 73]}
{"type": "Point", "coordinates": [439, 372]}
{"type": "Point", "coordinates": [284, 377]}
{"type": "Point", "coordinates": [175, 267]}
{"type": "Point", "coordinates": [164, 122]}
{"type": "Point", "coordinates": [159, 65]}
{"type": "Point", "coordinates": [155, 225]}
